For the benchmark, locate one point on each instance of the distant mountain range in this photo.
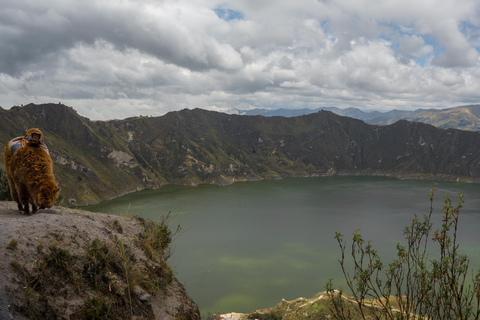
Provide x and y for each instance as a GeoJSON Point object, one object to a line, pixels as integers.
{"type": "Point", "coordinates": [99, 160]}
{"type": "Point", "coordinates": [464, 117]}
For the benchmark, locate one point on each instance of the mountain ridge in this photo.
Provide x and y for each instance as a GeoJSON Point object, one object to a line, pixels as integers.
{"type": "Point", "coordinates": [100, 160]}
{"type": "Point", "coordinates": [462, 117]}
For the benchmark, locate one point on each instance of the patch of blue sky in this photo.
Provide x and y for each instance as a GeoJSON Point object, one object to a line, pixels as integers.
{"type": "Point", "coordinates": [228, 14]}
{"type": "Point", "coordinates": [410, 31]}
{"type": "Point", "coordinates": [325, 25]}
{"type": "Point", "coordinates": [469, 30]}
{"type": "Point", "coordinates": [429, 40]}
{"type": "Point", "coordinates": [421, 61]}
{"type": "Point", "coordinates": [472, 33]}
{"type": "Point", "coordinates": [426, 59]}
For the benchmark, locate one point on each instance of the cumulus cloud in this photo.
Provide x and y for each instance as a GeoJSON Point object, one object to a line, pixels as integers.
{"type": "Point", "coordinates": [113, 59]}
{"type": "Point", "coordinates": [458, 52]}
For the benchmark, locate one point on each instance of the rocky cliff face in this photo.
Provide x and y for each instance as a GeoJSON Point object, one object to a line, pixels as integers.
{"type": "Point", "coordinates": [98, 160]}
{"type": "Point", "coordinates": [70, 264]}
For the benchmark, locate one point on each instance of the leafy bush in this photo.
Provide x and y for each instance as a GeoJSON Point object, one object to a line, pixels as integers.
{"type": "Point", "coordinates": [412, 286]}
{"type": "Point", "coordinates": [4, 186]}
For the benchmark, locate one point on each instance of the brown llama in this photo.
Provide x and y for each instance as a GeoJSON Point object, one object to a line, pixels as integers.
{"type": "Point", "coordinates": [30, 172]}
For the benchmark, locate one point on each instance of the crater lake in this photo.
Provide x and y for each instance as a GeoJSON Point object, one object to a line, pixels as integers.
{"type": "Point", "coordinates": [249, 245]}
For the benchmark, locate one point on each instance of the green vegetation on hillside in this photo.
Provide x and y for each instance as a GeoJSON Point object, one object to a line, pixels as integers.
{"type": "Point", "coordinates": [100, 160]}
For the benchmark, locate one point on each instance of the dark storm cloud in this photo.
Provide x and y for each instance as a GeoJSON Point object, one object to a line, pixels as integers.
{"type": "Point", "coordinates": [32, 30]}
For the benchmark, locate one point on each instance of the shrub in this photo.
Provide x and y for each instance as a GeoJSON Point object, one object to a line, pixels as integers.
{"type": "Point", "coordinates": [156, 238]}
{"type": "Point", "coordinates": [412, 286]}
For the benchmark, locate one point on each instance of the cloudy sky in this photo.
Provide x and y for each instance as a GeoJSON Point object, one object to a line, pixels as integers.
{"type": "Point", "coordinates": [119, 58]}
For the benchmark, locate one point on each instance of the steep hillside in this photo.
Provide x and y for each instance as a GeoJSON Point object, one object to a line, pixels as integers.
{"type": "Point", "coordinates": [74, 264]}
{"type": "Point", "coordinates": [466, 118]}
{"type": "Point", "coordinates": [90, 161]}
{"type": "Point", "coordinates": [98, 160]}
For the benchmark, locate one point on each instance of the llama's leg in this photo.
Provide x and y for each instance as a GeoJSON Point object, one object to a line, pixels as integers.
{"type": "Point", "coordinates": [19, 203]}
{"type": "Point", "coordinates": [17, 199]}
{"type": "Point", "coordinates": [34, 207]}
{"type": "Point", "coordinates": [26, 207]}
{"type": "Point", "coordinates": [24, 198]}
{"type": "Point", "coordinates": [14, 194]}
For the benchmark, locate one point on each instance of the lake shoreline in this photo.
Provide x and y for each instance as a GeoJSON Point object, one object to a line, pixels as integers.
{"type": "Point", "coordinates": [280, 176]}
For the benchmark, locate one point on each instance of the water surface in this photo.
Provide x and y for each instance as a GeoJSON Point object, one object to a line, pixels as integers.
{"type": "Point", "coordinates": [248, 245]}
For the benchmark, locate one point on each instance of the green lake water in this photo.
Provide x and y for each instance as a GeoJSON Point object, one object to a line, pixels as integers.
{"type": "Point", "coordinates": [248, 245]}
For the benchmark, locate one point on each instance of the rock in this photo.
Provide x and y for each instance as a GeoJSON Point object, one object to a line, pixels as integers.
{"type": "Point", "coordinates": [142, 294]}
{"type": "Point", "coordinates": [233, 316]}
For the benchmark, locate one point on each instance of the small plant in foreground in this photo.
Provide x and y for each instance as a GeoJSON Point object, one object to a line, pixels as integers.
{"type": "Point", "coordinates": [412, 286]}
{"type": "Point", "coordinates": [40, 246]}
{"type": "Point", "coordinates": [12, 244]}
{"type": "Point", "coordinates": [94, 308]}
{"type": "Point", "coordinates": [156, 238]}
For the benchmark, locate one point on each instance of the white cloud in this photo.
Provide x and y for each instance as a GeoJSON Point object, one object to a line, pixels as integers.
{"type": "Point", "coordinates": [113, 59]}
{"type": "Point", "coordinates": [458, 52]}
{"type": "Point", "coordinates": [414, 46]}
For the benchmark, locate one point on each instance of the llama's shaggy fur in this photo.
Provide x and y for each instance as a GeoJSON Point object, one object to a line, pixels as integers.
{"type": "Point", "coordinates": [30, 175]}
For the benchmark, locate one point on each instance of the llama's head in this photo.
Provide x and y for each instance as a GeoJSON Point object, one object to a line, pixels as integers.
{"type": "Point", "coordinates": [33, 137]}
{"type": "Point", "coordinates": [47, 195]}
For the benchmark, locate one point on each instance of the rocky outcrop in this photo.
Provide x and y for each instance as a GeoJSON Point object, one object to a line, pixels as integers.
{"type": "Point", "coordinates": [121, 158]}
{"type": "Point", "coordinates": [70, 264]}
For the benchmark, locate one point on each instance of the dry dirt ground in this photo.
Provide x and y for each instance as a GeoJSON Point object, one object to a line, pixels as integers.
{"type": "Point", "coordinates": [25, 241]}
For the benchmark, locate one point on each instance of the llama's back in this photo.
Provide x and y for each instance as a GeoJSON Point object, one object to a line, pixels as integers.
{"type": "Point", "coordinates": [31, 163]}
{"type": "Point", "coordinates": [32, 171]}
